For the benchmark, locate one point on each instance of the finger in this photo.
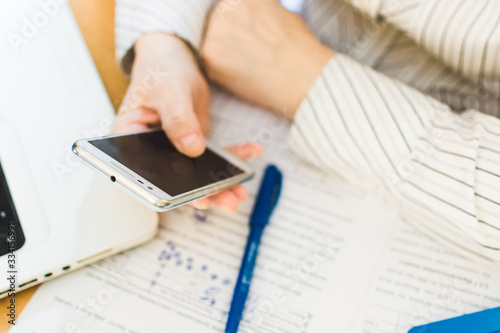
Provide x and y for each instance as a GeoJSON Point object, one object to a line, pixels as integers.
{"type": "Point", "coordinates": [135, 120]}
{"type": "Point", "coordinates": [246, 151]}
{"type": "Point", "coordinates": [202, 204]}
{"type": "Point", "coordinates": [181, 124]}
{"type": "Point", "coordinates": [226, 201]}
{"type": "Point", "coordinates": [202, 107]}
{"type": "Point", "coordinates": [128, 128]}
{"type": "Point", "coordinates": [240, 192]}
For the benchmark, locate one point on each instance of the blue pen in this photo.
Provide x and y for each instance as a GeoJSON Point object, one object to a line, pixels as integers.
{"type": "Point", "coordinates": [267, 199]}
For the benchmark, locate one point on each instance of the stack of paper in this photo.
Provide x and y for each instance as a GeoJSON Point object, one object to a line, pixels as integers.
{"type": "Point", "coordinates": [332, 260]}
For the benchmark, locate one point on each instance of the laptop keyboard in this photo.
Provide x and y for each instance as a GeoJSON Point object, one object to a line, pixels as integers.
{"type": "Point", "coordinates": [8, 217]}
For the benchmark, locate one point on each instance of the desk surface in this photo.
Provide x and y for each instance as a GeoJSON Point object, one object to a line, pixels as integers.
{"type": "Point", "coordinates": [96, 20]}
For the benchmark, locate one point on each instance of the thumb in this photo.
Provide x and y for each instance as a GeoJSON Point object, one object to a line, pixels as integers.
{"type": "Point", "coordinates": [182, 126]}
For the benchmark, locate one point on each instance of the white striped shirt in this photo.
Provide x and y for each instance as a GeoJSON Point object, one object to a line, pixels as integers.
{"type": "Point", "coordinates": [380, 113]}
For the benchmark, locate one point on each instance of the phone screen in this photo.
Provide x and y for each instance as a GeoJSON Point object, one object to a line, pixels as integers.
{"type": "Point", "coordinates": [152, 156]}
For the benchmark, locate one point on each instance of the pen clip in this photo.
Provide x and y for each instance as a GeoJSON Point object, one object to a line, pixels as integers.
{"type": "Point", "coordinates": [276, 192]}
{"type": "Point", "coordinates": [267, 198]}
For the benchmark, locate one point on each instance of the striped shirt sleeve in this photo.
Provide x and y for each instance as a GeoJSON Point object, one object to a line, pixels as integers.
{"type": "Point", "coordinates": [440, 170]}
{"type": "Point", "coordinates": [134, 18]}
{"type": "Point", "coordinates": [463, 34]}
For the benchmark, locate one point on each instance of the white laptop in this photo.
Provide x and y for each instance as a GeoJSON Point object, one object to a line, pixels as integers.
{"type": "Point", "coordinates": [63, 215]}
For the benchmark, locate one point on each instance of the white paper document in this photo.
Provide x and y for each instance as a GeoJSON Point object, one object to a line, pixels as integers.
{"type": "Point", "coordinates": [333, 259]}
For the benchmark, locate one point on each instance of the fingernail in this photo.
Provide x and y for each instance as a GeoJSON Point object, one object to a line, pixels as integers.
{"type": "Point", "coordinates": [241, 193]}
{"type": "Point", "coordinates": [204, 203]}
{"type": "Point", "coordinates": [191, 143]}
{"type": "Point", "coordinates": [252, 150]}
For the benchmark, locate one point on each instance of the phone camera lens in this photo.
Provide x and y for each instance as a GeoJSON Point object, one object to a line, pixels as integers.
{"type": "Point", "coordinates": [113, 179]}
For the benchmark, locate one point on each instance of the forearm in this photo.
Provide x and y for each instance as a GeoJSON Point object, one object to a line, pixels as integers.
{"type": "Point", "coordinates": [264, 54]}
{"type": "Point", "coordinates": [294, 72]}
{"type": "Point", "coordinates": [153, 49]}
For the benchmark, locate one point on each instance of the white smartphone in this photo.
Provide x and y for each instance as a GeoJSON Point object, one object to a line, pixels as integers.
{"type": "Point", "coordinates": [149, 167]}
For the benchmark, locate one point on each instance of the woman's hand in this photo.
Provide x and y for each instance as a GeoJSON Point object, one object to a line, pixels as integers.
{"type": "Point", "coordinates": [263, 53]}
{"type": "Point", "coordinates": [168, 90]}
{"type": "Point", "coordinates": [229, 200]}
